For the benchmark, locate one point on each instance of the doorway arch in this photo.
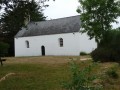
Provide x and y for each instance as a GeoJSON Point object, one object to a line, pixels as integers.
{"type": "Point", "coordinates": [43, 50]}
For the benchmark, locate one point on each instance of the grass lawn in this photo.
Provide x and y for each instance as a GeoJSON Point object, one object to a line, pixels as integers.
{"type": "Point", "coordinates": [47, 73]}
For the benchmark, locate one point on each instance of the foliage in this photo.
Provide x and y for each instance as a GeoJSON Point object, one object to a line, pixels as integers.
{"type": "Point", "coordinates": [97, 15]}
{"type": "Point", "coordinates": [82, 79]}
{"type": "Point", "coordinates": [109, 47]}
{"type": "Point", "coordinates": [14, 17]}
{"type": "Point", "coordinates": [13, 20]}
{"type": "Point", "coordinates": [3, 48]}
{"type": "Point", "coordinates": [112, 72]}
{"type": "Point", "coordinates": [83, 53]}
{"type": "Point", "coordinates": [102, 54]}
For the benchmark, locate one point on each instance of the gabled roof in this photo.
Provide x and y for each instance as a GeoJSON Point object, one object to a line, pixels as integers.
{"type": "Point", "coordinates": [56, 26]}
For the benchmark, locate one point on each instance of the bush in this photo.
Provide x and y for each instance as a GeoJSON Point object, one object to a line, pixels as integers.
{"type": "Point", "coordinates": [109, 47]}
{"type": "Point", "coordinates": [112, 72]}
{"type": "Point", "coordinates": [83, 53]}
{"type": "Point", "coordinates": [105, 55]}
{"type": "Point", "coordinates": [82, 79]}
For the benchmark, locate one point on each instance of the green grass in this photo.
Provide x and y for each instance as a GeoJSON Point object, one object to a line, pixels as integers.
{"type": "Point", "coordinates": [33, 77]}
{"type": "Point", "coordinates": [47, 73]}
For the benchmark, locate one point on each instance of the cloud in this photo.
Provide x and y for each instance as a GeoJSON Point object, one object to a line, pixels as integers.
{"type": "Point", "coordinates": [65, 8]}
{"type": "Point", "coordinates": [61, 8]}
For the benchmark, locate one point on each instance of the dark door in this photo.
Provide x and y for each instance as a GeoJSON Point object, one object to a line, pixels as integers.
{"type": "Point", "coordinates": [43, 50]}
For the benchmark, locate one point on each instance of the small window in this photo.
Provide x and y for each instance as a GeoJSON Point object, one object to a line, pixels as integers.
{"type": "Point", "coordinates": [61, 42]}
{"type": "Point", "coordinates": [27, 44]}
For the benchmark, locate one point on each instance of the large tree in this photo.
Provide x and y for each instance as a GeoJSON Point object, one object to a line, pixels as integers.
{"type": "Point", "coordinates": [14, 16]}
{"type": "Point", "coordinates": [97, 15]}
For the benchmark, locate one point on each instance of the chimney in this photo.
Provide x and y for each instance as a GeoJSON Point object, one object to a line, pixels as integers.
{"type": "Point", "coordinates": [27, 20]}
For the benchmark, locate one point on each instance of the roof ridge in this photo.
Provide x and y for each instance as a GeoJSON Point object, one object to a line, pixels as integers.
{"type": "Point", "coordinates": [54, 19]}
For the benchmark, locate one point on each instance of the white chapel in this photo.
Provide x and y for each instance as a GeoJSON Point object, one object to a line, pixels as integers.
{"type": "Point", "coordinates": [58, 37]}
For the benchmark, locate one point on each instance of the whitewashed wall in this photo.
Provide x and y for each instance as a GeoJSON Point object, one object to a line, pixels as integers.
{"type": "Point", "coordinates": [87, 45]}
{"type": "Point", "coordinates": [73, 44]}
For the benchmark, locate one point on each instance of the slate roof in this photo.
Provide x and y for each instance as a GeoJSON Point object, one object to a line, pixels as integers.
{"type": "Point", "coordinates": [56, 26]}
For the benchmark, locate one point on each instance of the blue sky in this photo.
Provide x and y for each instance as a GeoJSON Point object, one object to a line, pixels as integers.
{"type": "Point", "coordinates": [64, 8]}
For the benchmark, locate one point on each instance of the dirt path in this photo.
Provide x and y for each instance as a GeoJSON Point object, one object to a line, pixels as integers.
{"type": "Point", "coordinates": [46, 59]}
{"type": "Point", "coordinates": [83, 59]}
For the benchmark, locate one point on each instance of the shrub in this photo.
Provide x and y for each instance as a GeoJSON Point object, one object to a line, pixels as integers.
{"type": "Point", "coordinates": [81, 79]}
{"type": "Point", "coordinates": [109, 47]}
{"type": "Point", "coordinates": [105, 55]}
{"type": "Point", "coordinates": [83, 53]}
{"type": "Point", "coordinates": [112, 72]}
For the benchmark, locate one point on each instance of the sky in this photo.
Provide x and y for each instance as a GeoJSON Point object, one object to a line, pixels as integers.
{"type": "Point", "coordinates": [61, 8]}
{"type": "Point", "coordinates": [65, 8]}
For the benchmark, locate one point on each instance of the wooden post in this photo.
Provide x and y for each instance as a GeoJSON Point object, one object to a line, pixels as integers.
{"type": "Point", "coordinates": [1, 61]}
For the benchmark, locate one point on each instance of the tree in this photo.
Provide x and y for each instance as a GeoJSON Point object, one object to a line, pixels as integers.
{"type": "Point", "coordinates": [14, 17]}
{"type": "Point", "coordinates": [13, 20]}
{"type": "Point", "coordinates": [97, 15]}
{"type": "Point", "coordinates": [108, 48]}
{"type": "Point", "coordinates": [3, 49]}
